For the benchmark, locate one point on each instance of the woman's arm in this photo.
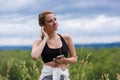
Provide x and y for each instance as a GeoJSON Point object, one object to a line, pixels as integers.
{"type": "Point", "coordinates": [37, 48]}
{"type": "Point", "coordinates": [39, 45]}
{"type": "Point", "coordinates": [71, 48]}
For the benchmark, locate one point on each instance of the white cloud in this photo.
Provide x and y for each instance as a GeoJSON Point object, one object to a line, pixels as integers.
{"type": "Point", "coordinates": [12, 5]}
{"type": "Point", "coordinates": [18, 30]}
{"type": "Point", "coordinates": [96, 39]}
{"type": "Point", "coordinates": [18, 26]}
{"type": "Point", "coordinates": [99, 29]}
{"type": "Point", "coordinates": [23, 30]}
{"type": "Point", "coordinates": [16, 41]}
{"type": "Point", "coordinates": [96, 3]}
{"type": "Point", "coordinates": [100, 24]}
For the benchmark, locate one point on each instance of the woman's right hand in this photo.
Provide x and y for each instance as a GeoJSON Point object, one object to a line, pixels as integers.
{"type": "Point", "coordinates": [44, 33]}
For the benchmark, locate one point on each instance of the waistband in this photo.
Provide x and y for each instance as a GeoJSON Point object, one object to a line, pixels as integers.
{"type": "Point", "coordinates": [55, 72]}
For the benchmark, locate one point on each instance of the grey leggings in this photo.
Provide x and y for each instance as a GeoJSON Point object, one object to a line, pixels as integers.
{"type": "Point", "coordinates": [50, 77]}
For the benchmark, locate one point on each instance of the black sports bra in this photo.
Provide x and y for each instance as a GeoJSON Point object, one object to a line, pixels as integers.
{"type": "Point", "coordinates": [48, 54]}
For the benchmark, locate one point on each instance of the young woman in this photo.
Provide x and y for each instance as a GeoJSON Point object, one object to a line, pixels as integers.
{"type": "Point", "coordinates": [54, 49]}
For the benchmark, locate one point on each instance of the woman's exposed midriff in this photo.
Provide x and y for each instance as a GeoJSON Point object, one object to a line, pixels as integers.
{"type": "Point", "coordinates": [56, 65]}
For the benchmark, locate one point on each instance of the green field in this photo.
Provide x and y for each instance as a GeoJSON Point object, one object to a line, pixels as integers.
{"type": "Point", "coordinates": [93, 64]}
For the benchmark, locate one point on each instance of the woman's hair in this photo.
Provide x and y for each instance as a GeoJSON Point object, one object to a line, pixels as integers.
{"type": "Point", "coordinates": [42, 16]}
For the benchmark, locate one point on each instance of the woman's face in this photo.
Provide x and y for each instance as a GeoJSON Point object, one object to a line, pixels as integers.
{"type": "Point", "coordinates": [51, 23]}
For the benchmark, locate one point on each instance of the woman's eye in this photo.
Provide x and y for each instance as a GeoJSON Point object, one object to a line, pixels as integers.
{"type": "Point", "coordinates": [50, 21]}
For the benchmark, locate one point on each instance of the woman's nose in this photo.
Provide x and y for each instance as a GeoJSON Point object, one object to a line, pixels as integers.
{"type": "Point", "coordinates": [54, 22]}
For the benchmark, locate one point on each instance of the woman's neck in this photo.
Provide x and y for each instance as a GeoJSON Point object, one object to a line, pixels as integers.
{"type": "Point", "coordinates": [52, 35]}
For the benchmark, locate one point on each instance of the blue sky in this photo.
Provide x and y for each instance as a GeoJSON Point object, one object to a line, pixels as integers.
{"type": "Point", "coordinates": [87, 21]}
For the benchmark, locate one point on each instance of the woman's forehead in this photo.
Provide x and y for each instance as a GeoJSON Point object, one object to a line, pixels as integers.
{"type": "Point", "coordinates": [49, 16]}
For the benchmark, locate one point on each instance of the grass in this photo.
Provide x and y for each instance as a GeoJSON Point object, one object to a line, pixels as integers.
{"type": "Point", "coordinates": [93, 64]}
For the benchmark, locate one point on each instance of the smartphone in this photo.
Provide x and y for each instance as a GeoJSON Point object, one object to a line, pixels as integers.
{"type": "Point", "coordinates": [60, 56]}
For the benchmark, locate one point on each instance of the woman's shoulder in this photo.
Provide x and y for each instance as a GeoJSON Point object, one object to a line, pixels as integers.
{"type": "Point", "coordinates": [66, 36]}
{"type": "Point", "coordinates": [36, 42]}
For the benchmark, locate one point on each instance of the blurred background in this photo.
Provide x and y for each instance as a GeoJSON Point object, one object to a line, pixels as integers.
{"type": "Point", "coordinates": [94, 26]}
{"type": "Point", "coordinates": [87, 21]}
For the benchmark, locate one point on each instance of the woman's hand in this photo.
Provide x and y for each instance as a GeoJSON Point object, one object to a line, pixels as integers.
{"type": "Point", "coordinates": [59, 59]}
{"type": "Point", "coordinates": [44, 33]}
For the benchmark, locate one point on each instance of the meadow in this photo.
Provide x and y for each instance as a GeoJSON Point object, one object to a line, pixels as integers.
{"type": "Point", "coordinates": [92, 64]}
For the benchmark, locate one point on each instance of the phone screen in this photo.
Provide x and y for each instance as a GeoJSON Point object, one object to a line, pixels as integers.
{"type": "Point", "coordinates": [60, 56]}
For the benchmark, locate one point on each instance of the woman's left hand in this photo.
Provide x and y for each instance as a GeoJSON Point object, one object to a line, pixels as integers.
{"type": "Point", "coordinates": [59, 60]}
